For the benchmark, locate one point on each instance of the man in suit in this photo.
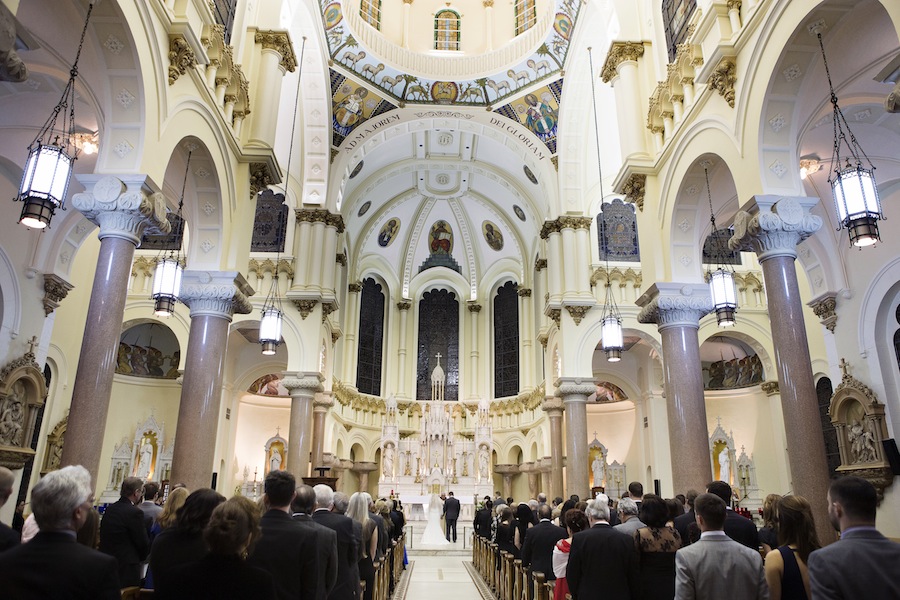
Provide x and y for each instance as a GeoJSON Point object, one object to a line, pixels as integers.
{"type": "Point", "coordinates": [717, 566]}
{"type": "Point", "coordinates": [537, 549]}
{"type": "Point", "coordinates": [123, 533]}
{"type": "Point", "coordinates": [603, 563]}
{"type": "Point", "coordinates": [738, 528]}
{"type": "Point", "coordinates": [683, 522]}
{"type": "Point", "coordinates": [636, 493]}
{"type": "Point", "coordinates": [451, 514]}
{"type": "Point", "coordinates": [53, 564]}
{"type": "Point", "coordinates": [150, 508]}
{"type": "Point", "coordinates": [348, 544]}
{"type": "Point", "coordinates": [857, 566]}
{"type": "Point", "coordinates": [9, 537]}
{"type": "Point", "coordinates": [326, 541]}
{"type": "Point", "coordinates": [398, 520]}
{"type": "Point", "coordinates": [483, 518]}
{"type": "Point", "coordinates": [286, 549]}
{"type": "Point", "coordinates": [628, 513]}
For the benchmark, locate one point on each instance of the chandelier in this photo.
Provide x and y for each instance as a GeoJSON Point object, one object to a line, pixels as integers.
{"type": "Point", "coordinates": [169, 267]}
{"type": "Point", "coordinates": [721, 279]}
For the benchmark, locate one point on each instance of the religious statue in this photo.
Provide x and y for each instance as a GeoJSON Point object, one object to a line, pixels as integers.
{"type": "Point", "coordinates": [724, 466]}
{"type": "Point", "coordinates": [597, 468]}
{"type": "Point", "coordinates": [275, 460]}
{"type": "Point", "coordinates": [145, 460]}
{"type": "Point", "coordinates": [862, 447]}
{"type": "Point", "coordinates": [483, 461]}
{"type": "Point", "coordinates": [387, 461]}
{"type": "Point", "coordinates": [12, 416]}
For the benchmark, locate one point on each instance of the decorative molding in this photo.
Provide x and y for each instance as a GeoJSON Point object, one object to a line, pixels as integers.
{"type": "Point", "coordinates": [121, 213]}
{"type": "Point", "coordinates": [524, 292]}
{"type": "Point", "coordinates": [775, 230]}
{"type": "Point", "coordinates": [540, 264]}
{"type": "Point", "coordinates": [769, 387]}
{"type": "Point", "coordinates": [280, 42]}
{"type": "Point", "coordinates": [620, 52]}
{"type": "Point", "coordinates": [55, 290]}
{"type": "Point", "coordinates": [825, 310]}
{"type": "Point", "coordinates": [217, 294]}
{"type": "Point", "coordinates": [341, 259]}
{"type": "Point", "coordinates": [354, 288]}
{"type": "Point", "coordinates": [404, 305]}
{"type": "Point", "coordinates": [723, 78]}
{"type": "Point", "coordinates": [261, 177]}
{"type": "Point", "coordinates": [305, 305]}
{"type": "Point", "coordinates": [634, 188]}
{"type": "Point", "coordinates": [319, 215]}
{"type": "Point", "coordinates": [181, 58]}
{"type": "Point", "coordinates": [577, 312]}
{"type": "Point", "coordinates": [555, 314]}
{"type": "Point", "coordinates": [335, 336]}
{"type": "Point", "coordinates": [473, 307]}
{"type": "Point", "coordinates": [675, 305]}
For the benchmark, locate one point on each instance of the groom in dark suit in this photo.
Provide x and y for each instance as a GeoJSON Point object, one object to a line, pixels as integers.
{"type": "Point", "coordinates": [451, 514]}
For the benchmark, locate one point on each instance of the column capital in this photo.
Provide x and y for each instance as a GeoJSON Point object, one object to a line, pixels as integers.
{"type": "Point", "coordinates": [404, 305]}
{"type": "Point", "coordinates": [362, 466]}
{"type": "Point", "coordinates": [553, 406]}
{"type": "Point", "coordinates": [354, 288]}
{"type": "Point", "coordinates": [825, 307]}
{"type": "Point", "coordinates": [770, 388]}
{"type": "Point", "coordinates": [55, 290]}
{"type": "Point", "coordinates": [122, 208]}
{"type": "Point", "coordinates": [473, 307]}
{"type": "Point", "coordinates": [620, 52]}
{"type": "Point", "coordinates": [303, 383]}
{"type": "Point", "coordinates": [675, 304]}
{"type": "Point", "coordinates": [323, 401]}
{"type": "Point", "coordinates": [575, 389]}
{"type": "Point", "coordinates": [506, 470]}
{"type": "Point", "coordinates": [524, 292]}
{"type": "Point", "coordinates": [772, 226]}
{"type": "Point", "coordinates": [280, 42]}
{"type": "Point", "coordinates": [216, 293]}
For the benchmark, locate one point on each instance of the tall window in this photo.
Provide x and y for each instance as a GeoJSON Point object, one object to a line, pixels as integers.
{"type": "Point", "coordinates": [438, 334]}
{"type": "Point", "coordinates": [526, 15]}
{"type": "Point", "coordinates": [446, 30]}
{"type": "Point", "coordinates": [224, 11]}
{"type": "Point", "coordinates": [676, 15]}
{"type": "Point", "coordinates": [270, 223]}
{"type": "Point", "coordinates": [370, 11]}
{"type": "Point", "coordinates": [506, 341]}
{"type": "Point", "coordinates": [617, 234]}
{"type": "Point", "coordinates": [824, 392]}
{"type": "Point", "coordinates": [371, 338]}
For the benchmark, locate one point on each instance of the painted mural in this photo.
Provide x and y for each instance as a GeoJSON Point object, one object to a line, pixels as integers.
{"type": "Point", "coordinates": [388, 232]}
{"type": "Point", "coordinates": [538, 111]}
{"type": "Point", "coordinates": [492, 235]}
{"type": "Point", "coordinates": [351, 105]}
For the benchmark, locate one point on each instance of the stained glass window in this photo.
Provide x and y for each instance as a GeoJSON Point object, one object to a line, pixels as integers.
{"type": "Point", "coordinates": [506, 341]}
{"type": "Point", "coordinates": [446, 30]}
{"type": "Point", "coordinates": [438, 334]}
{"type": "Point", "coordinates": [370, 11]}
{"type": "Point", "coordinates": [824, 392]}
{"type": "Point", "coordinates": [371, 338]}
{"type": "Point", "coordinates": [717, 242]}
{"type": "Point", "coordinates": [224, 12]}
{"type": "Point", "coordinates": [270, 224]}
{"type": "Point", "coordinates": [526, 15]}
{"type": "Point", "coordinates": [676, 16]}
{"type": "Point", "coordinates": [617, 234]}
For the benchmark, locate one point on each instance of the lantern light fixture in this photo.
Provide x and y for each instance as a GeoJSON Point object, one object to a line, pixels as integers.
{"type": "Point", "coordinates": [170, 266]}
{"type": "Point", "coordinates": [720, 279]}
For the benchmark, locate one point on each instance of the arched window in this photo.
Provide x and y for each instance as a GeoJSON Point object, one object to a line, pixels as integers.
{"type": "Point", "coordinates": [617, 234]}
{"type": "Point", "coordinates": [676, 15]}
{"type": "Point", "coordinates": [824, 391]}
{"type": "Point", "coordinates": [438, 334]}
{"type": "Point", "coordinates": [716, 250]}
{"type": "Point", "coordinates": [370, 11]}
{"type": "Point", "coordinates": [506, 341]}
{"type": "Point", "coordinates": [446, 30]}
{"type": "Point", "coordinates": [526, 15]}
{"type": "Point", "coordinates": [371, 338]}
{"type": "Point", "coordinates": [270, 223]}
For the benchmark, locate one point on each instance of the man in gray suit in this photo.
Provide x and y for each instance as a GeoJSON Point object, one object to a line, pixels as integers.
{"type": "Point", "coordinates": [857, 566]}
{"type": "Point", "coordinates": [628, 514]}
{"type": "Point", "coordinates": [717, 567]}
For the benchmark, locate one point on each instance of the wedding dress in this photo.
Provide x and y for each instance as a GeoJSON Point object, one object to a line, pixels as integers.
{"type": "Point", "coordinates": [434, 534]}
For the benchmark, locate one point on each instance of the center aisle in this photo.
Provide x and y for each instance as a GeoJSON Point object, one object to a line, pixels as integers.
{"type": "Point", "coordinates": [439, 577]}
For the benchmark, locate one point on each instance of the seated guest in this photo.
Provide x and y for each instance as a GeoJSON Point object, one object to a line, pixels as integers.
{"type": "Point", "coordinates": [656, 544]}
{"type": "Point", "coordinates": [786, 571]}
{"type": "Point", "coordinates": [768, 533]}
{"type": "Point", "coordinates": [53, 564]}
{"type": "Point", "coordinates": [575, 521]}
{"type": "Point", "coordinates": [182, 544]}
{"type": "Point", "coordinates": [231, 534]}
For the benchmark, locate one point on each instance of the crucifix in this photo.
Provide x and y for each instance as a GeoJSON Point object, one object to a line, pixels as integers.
{"type": "Point", "coordinates": [438, 356]}
{"type": "Point", "coordinates": [31, 344]}
{"type": "Point", "coordinates": [844, 365]}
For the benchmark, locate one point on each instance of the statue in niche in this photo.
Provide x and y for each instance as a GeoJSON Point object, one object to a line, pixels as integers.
{"type": "Point", "coordinates": [155, 361]}
{"type": "Point", "coordinates": [599, 471]}
{"type": "Point", "coordinates": [275, 460]}
{"type": "Point", "coordinates": [862, 447]}
{"type": "Point", "coordinates": [173, 373]}
{"type": "Point", "coordinates": [724, 465]}
{"type": "Point", "coordinates": [145, 461]}
{"type": "Point", "coordinates": [387, 461]}
{"type": "Point", "coordinates": [483, 460]}
{"type": "Point", "coordinates": [12, 415]}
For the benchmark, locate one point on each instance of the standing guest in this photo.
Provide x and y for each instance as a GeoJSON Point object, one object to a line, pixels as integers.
{"type": "Point", "coordinates": [857, 566]}
{"type": "Point", "coordinates": [636, 492]}
{"type": "Point", "coordinates": [231, 534]}
{"type": "Point", "coordinates": [768, 533]}
{"type": "Point", "coordinates": [656, 544]}
{"type": "Point", "coordinates": [53, 564]}
{"type": "Point", "coordinates": [602, 561]}
{"type": "Point", "coordinates": [524, 521]}
{"type": "Point", "coordinates": [348, 544]}
{"type": "Point", "coordinates": [9, 537]}
{"type": "Point", "coordinates": [286, 549]}
{"type": "Point", "coordinates": [628, 515]}
{"type": "Point", "coordinates": [675, 510]}
{"type": "Point", "coordinates": [359, 512]}
{"type": "Point", "coordinates": [182, 543]}
{"type": "Point", "coordinates": [575, 522]}
{"type": "Point", "coordinates": [683, 500]}
{"type": "Point", "coordinates": [786, 571]}
{"type": "Point", "coordinates": [498, 499]}
{"type": "Point", "coordinates": [151, 509]}
{"type": "Point", "coordinates": [384, 541]}
{"type": "Point", "coordinates": [326, 541]}
{"type": "Point", "coordinates": [89, 533]}
{"type": "Point", "coordinates": [542, 498]}
{"type": "Point", "coordinates": [451, 514]}
{"type": "Point", "coordinates": [166, 519]}
{"type": "Point", "coordinates": [688, 521]}
{"type": "Point", "coordinates": [738, 528]}
{"type": "Point", "coordinates": [397, 519]}
{"type": "Point", "coordinates": [717, 567]}
{"type": "Point", "coordinates": [537, 549]}
{"type": "Point", "coordinates": [123, 533]}
{"type": "Point", "coordinates": [483, 519]}
{"type": "Point", "coordinates": [506, 533]}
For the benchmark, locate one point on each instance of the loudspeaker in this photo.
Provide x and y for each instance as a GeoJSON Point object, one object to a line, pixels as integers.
{"type": "Point", "coordinates": [892, 454]}
{"type": "Point", "coordinates": [215, 478]}
{"type": "Point", "coordinates": [657, 488]}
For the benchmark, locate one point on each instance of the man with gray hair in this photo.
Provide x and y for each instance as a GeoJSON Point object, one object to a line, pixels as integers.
{"type": "Point", "coordinates": [349, 542]}
{"type": "Point", "coordinates": [602, 561]}
{"type": "Point", "coordinates": [628, 513]}
{"type": "Point", "coordinates": [9, 537]}
{"type": "Point", "coordinates": [326, 540]}
{"type": "Point", "coordinates": [53, 564]}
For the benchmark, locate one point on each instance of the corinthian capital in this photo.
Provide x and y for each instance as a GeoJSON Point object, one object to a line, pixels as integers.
{"type": "Point", "coordinates": [216, 293]}
{"type": "Point", "coordinates": [620, 52]}
{"type": "Point", "coordinates": [303, 383]}
{"type": "Point", "coordinates": [280, 42]}
{"type": "Point", "coordinates": [775, 227]}
{"type": "Point", "coordinates": [122, 211]}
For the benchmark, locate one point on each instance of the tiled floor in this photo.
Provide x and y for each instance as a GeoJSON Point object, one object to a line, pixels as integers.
{"type": "Point", "coordinates": [440, 577]}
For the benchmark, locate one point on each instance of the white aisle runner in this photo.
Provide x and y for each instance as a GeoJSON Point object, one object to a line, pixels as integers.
{"type": "Point", "coordinates": [439, 578]}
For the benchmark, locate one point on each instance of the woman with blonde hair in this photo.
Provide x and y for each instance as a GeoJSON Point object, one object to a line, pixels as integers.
{"type": "Point", "coordinates": [358, 510]}
{"type": "Point", "coordinates": [169, 514]}
{"type": "Point", "coordinates": [786, 571]}
{"type": "Point", "coordinates": [768, 534]}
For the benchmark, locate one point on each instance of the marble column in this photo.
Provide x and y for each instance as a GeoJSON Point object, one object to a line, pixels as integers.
{"type": "Point", "coordinates": [123, 209]}
{"type": "Point", "coordinates": [574, 392]}
{"type": "Point", "coordinates": [677, 308]}
{"type": "Point", "coordinates": [303, 387]}
{"type": "Point", "coordinates": [621, 69]}
{"type": "Point", "coordinates": [553, 406]}
{"type": "Point", "coordinates": [213, 298]}
{"type": "Point", "coordinates": [277, 58]}
{"type": "Point", "coordinates": [362, 469]}
{"type": "Point", "coordinates": [772, 226]}
{"type": "Point", "coordinates": [474, 311]}
{"type": "Point", "coordinates": [545, 464]}
{"type": "Point", "coordinates": [404, 41]}
{"type": "Point", "coordinates": [321, 405]}
{"type": "Point", "coordinates": [403, 306]}
{"type": "Point", "coordinates": [507, 471]}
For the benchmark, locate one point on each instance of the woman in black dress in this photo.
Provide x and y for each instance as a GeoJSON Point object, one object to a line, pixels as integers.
{"type": "Point", "coordinates": [786, 571]}
{"type": "Point", "coordinates": [524, 520]}
{"type": "Point", "coordinates": [506, 534]}
{"type": "Point", "coordinates": [656, 543]}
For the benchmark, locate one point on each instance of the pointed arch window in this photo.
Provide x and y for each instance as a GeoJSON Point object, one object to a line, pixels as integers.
{"type": "Point", "coordinates": [447, 30]}
{"type": "Point", "coordinates": [371, 338]}
{"type": "Point", "coordinates": [370, 11]}
{"type": "Point", "coordinates": [617, 234]}
{"type": "Point", "coordinates": [438, 334]}
{"type": "Point", "coordinates": [526, 15]}
{"type": "Point", "coordinates": [506, 341]}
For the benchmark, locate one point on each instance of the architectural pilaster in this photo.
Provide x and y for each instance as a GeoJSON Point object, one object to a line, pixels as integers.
{"type": "Point", "coordinates": [322, 403]}
{"type": "Point", "coordinates": [352, 332]}
{"type": "Point", "coordinates": [554, 407]}
{"type": "Point", "coordinates": [574, 392]}
{"type": "Point", "coordinates": [488, 24]}
{"type": "Point", "coordinates": [676, 309]}
{"type": "Point", "coordinates": [277, 58]}
{"type": "Point", "coordinates": [772, 226]}
{"type": "Point", "coordinates": [526, 337]}
{"type": "Point", "coordinates": [405, 39]}
{"type": "Point", "coordinates": [550, 232]}
{"type": "Point", "coordinates": [474, 311]}
{"type": "Point", "coordinates": [545, 476]}
{"type": "Point", "coordinates": [123, 209]}
{"type": "Point", "coordinates": [621, 70]}
{"type": "Point", "coordinates": [303, 387]}
{"type": "Point", "coordinates": [403, 307]}
{"type": "Point", "coordinates": [334, 226]}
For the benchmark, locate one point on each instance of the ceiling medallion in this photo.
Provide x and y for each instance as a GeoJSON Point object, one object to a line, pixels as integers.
{"type": "Point", "coordinates": [356, 169]}
{"type": "Point", "coordinates": [529, 175]}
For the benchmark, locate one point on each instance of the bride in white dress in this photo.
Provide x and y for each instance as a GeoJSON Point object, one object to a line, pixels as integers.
{"type": "Point", "coordinates": [434, 535]}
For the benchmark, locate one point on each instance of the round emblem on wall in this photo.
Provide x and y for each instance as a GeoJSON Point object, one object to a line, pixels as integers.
{"type": "Point", "coordinates": [529, 174]}
{"type": "Point", "coordinates": [364, 208]}
{"type": "Point", "coordinates": [356, 169]}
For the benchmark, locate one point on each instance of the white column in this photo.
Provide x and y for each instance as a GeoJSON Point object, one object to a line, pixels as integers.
{"type": "Point", "coordinates": [473, 376]}
{"type": "Point", "coordinates": [621, 70]}
{"type": "Point", "coordinates": [403, 306]}
{"type": "Point", "coordinates": [526, 340]}
{"type": "Point", "coordinates": [277, 58]}
{"type": "Point", "coordinates": [351, 333]}
{"type": "Point", "coordinates": [488, 25]}
{"type": "Point", "coordinates": [405, 40]}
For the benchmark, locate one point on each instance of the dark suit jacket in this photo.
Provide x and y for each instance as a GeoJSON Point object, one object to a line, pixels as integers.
{"type": "Point", "coordinates": [215, 577]}
{"type": "Point", "coordinates": [9, 537]}
{"type": "Point", "coordinates": [741, 529]}
{"type": "Point", "coordinates": [682, 522]}
{"type": "Point", "coordinates": [171, 549]}
{"type": "Point", "coordinates": [348, 548]}
{"type": "Point", "coordinates": [54, 565]}
{"type": "Point", "coordinates": [603, 563]}
{"type": "Point", "coordinates": [326, 555]}
{"type": "Point", "coordinates": [124, 535]}
{"type": "Point", "coordinates": [483, 520]}
{"type": "Point", "coordinates": [287, 550]}
{"type": "Point", "coordinates": [537, 549]}
{"type": "Point", "coordinates": [451, 508]}
{"type": "Point", "coordinates": [857, 566]}
{"type": "Point", "coordinates": [399, 522]}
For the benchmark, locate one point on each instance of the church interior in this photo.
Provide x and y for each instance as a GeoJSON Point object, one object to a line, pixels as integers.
{"type": "Point", "coordinates": [486, 236]}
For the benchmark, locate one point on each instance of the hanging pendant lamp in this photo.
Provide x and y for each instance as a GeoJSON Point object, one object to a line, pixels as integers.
{"type": "Point", "coordinates": [721, 279]}
{"type": "Point", "coordinates": [169, 267]}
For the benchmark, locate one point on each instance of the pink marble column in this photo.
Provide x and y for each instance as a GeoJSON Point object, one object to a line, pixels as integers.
{"type": "Point", "coordinates": [574, 392]}
{"type": "Point", "coordinates": [213, 298]}
{"type": "Point", "coordinates": [362, 469]}
{"type": "Point", "coordinates": [772, 226]}
{"type": "Point", "coordinates": [507, 471]}
{"type": "Point", "coordinates": [123, 210]}
{"type": "Point", "coordinates": [553, 406]}
{"type": "Point", "coordinates": [303, 387]}
{"type": "Point", "coordinates": [677, 308]}
{"type": "Point", "coordinates": [321, 405]}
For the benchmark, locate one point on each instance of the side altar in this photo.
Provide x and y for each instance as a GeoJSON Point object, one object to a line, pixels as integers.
{"type": "Point", "coordinates": [437, 459]}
